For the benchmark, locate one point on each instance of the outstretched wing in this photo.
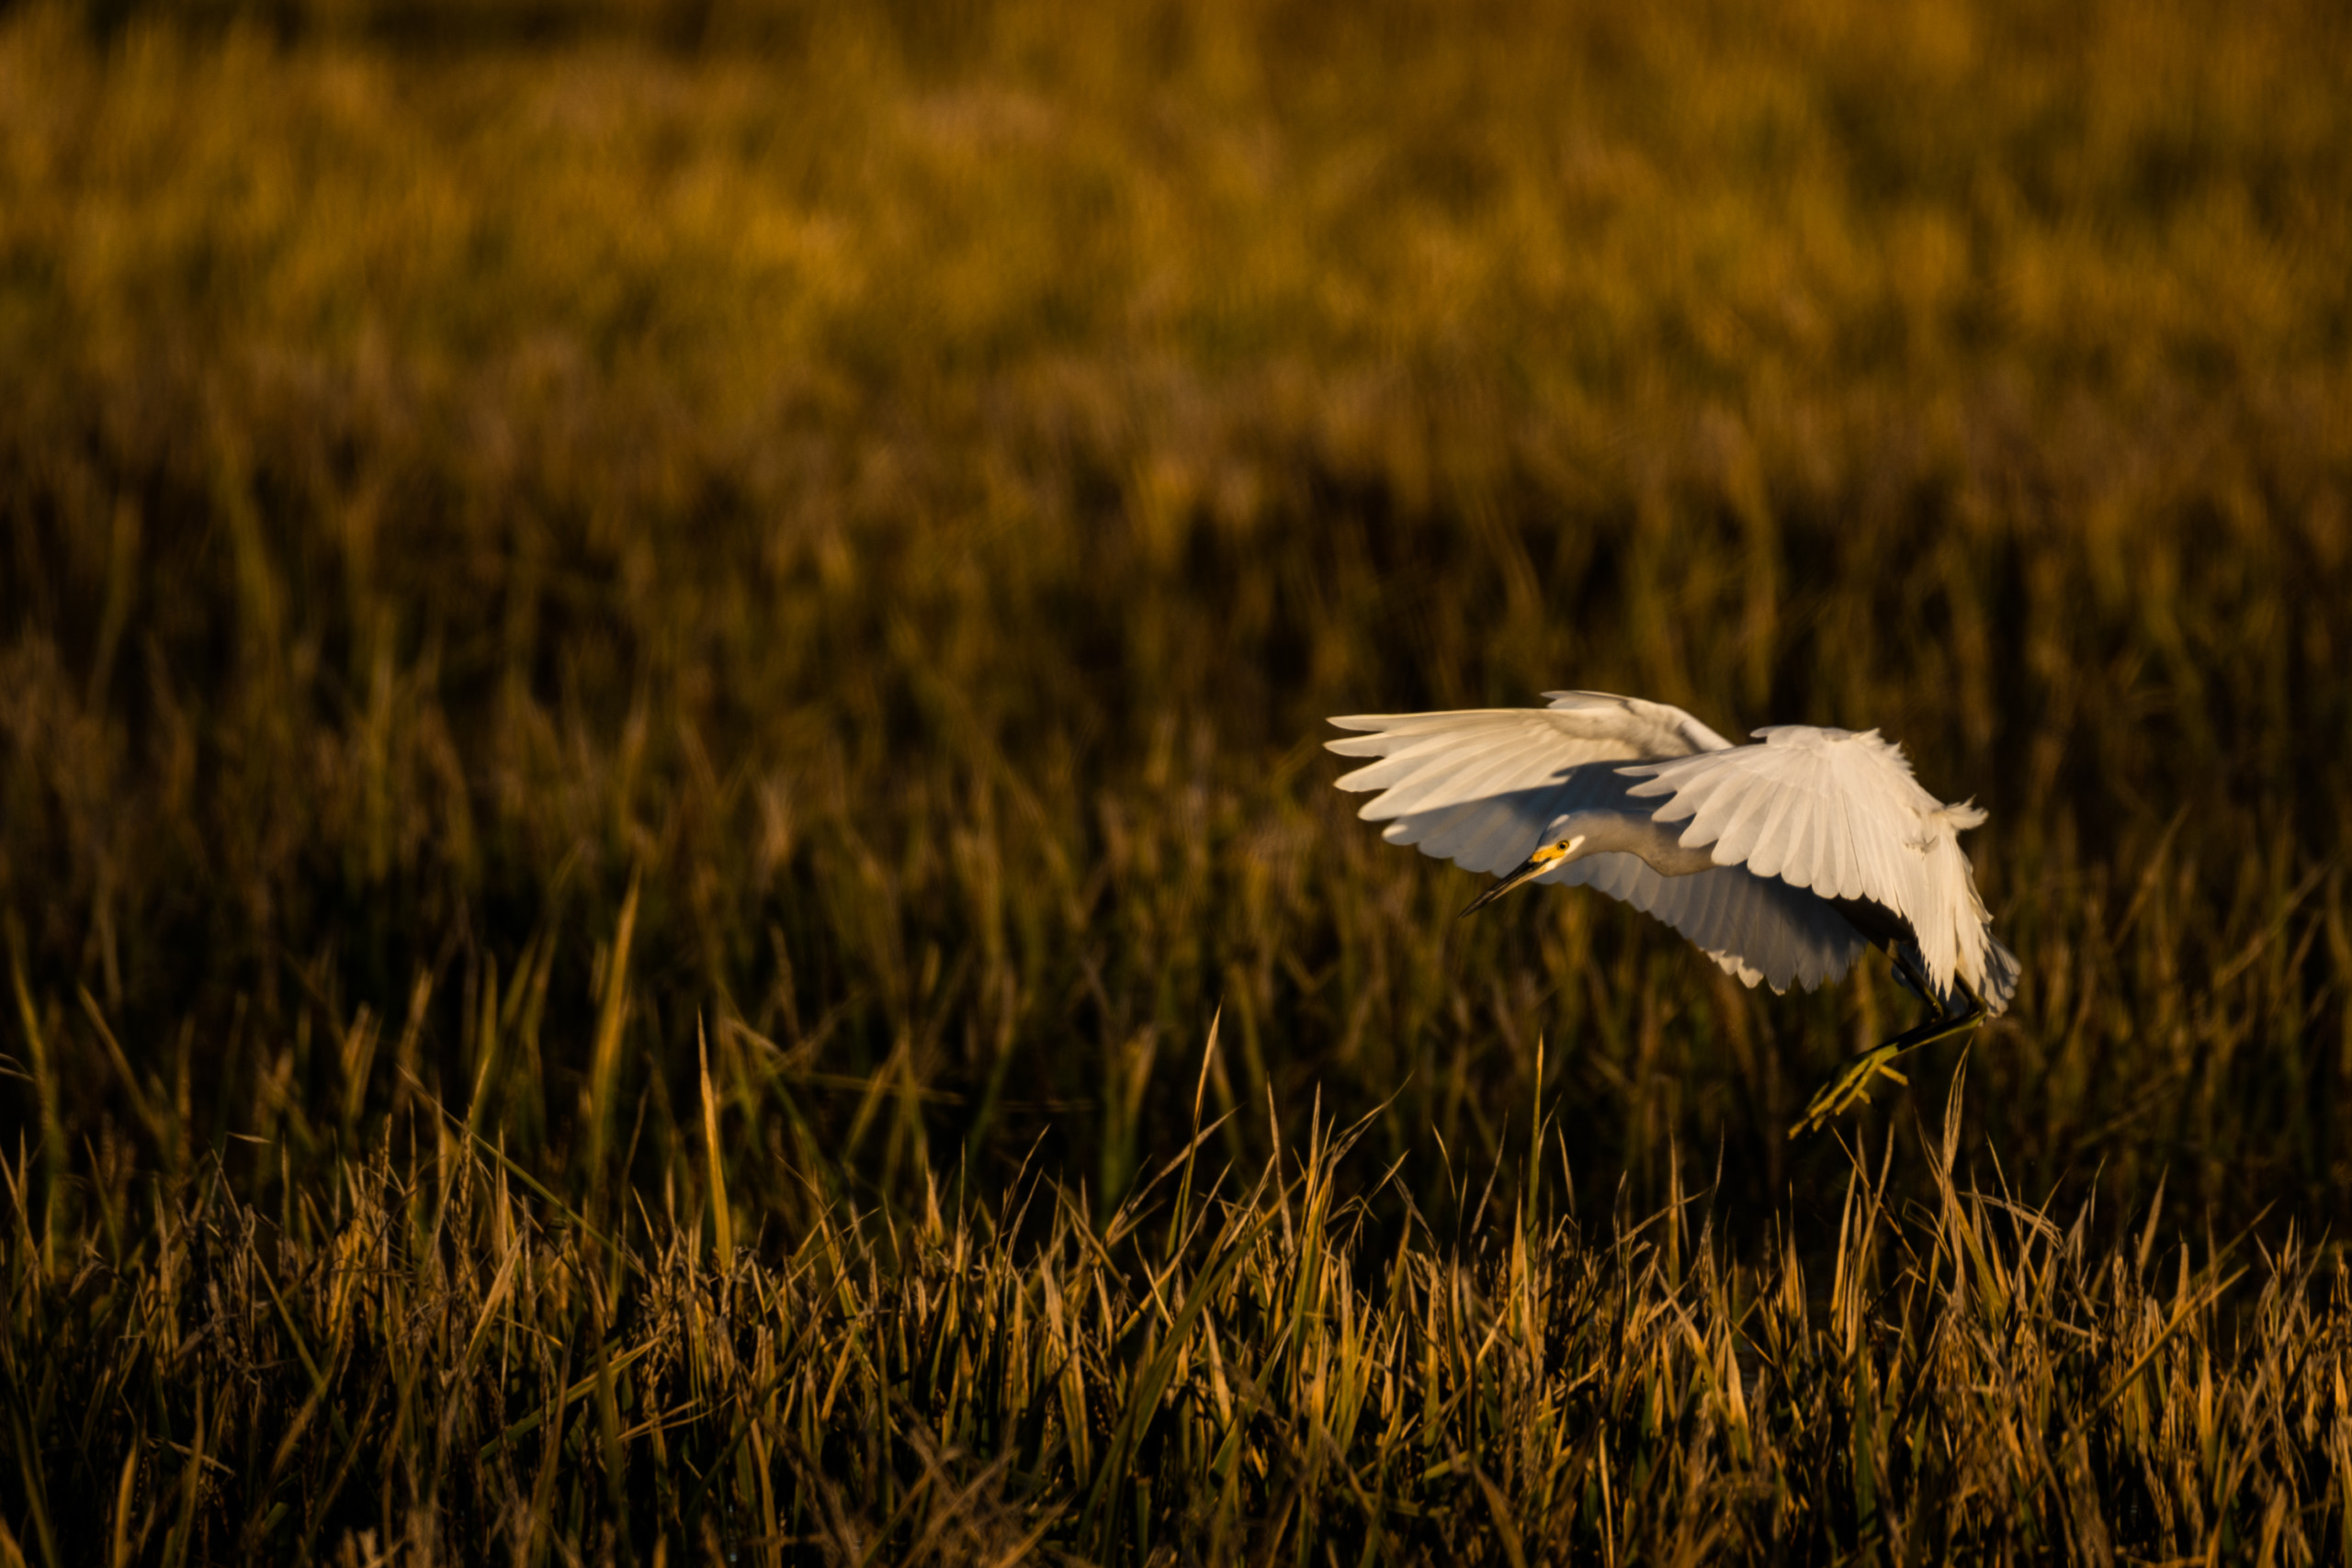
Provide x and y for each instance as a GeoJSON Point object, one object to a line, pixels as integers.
{"type": "Point", "coordinates": [1822, 809]}
{"type": "Point", "coordinates": [1839, 814]}
{"type": "Point", "coordinates": [1477, 786]}
{"type": "Point", "coordinates": [1757, 928]}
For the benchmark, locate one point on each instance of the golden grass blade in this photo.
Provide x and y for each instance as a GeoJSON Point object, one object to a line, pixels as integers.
{"type": "Point", "coordinates": [722, 1213]}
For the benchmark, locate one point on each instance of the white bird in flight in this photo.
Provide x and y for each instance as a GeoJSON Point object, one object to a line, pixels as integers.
{"type": "Point", "coordinates": [1782, 860]}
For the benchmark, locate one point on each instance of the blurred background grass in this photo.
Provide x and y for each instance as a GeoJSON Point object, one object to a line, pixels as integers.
{"type": "Point", "coordinates": [901, 486]}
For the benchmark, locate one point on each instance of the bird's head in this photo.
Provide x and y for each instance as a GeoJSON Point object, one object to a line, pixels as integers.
{"type": "Point", "coordinates": [1556, 848]}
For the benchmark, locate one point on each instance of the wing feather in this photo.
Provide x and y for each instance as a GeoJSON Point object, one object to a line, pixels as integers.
{"type": "Point", "coordinates": [1759, 930]}
{"type": "Point", "coordinates": [1448, 773]}
{"type": "Point", "coordinates": [1838, 813]}
{"type": "Point", "coordinates": [1853, 792]}
{"type": "Point", "coordinates": [1479, 786]}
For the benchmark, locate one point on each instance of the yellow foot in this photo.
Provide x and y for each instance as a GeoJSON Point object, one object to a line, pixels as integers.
{"type": "Point", "coordinates": [1852, 1085]}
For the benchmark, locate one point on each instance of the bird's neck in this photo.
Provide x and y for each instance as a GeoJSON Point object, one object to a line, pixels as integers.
{"type": "Point", "coordinates": [1633, 833]}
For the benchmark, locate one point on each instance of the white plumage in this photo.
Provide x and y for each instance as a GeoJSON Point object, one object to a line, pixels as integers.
{"type": "Point", "coordinates": [1782, 860]}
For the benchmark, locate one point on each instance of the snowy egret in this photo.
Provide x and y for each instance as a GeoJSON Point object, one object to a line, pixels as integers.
{"type": "Point", "coordinates": [1783, 859]}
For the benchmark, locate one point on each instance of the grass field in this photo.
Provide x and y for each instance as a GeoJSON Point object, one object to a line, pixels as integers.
{"type": "Point", "coordinates": [660, 663]}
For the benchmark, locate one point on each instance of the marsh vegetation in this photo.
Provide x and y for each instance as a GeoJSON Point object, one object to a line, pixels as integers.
{"type": "Point", "coordinates": [661, 664]}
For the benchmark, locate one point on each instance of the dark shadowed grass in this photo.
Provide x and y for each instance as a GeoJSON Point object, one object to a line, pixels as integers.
{"type": "Point", "coordinates": [429, 1360]}
{"type": "Point", "coordinates": [907, 507]}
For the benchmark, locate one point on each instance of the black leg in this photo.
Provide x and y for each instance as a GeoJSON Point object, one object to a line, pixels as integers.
{"type": "Point", "coordinates": [1909, 968]}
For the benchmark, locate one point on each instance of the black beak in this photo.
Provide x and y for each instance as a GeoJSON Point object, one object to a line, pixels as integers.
{"type": "Point", "coordinates": [1527, 872]}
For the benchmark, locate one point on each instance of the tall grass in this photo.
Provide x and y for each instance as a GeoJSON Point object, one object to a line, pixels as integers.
{"type": "Point", "coordinates": [909, 505]}
{"type": "Point", "coordinates": [727, 609]}
{"type": "Point", "coordinates": [424, 1364]}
